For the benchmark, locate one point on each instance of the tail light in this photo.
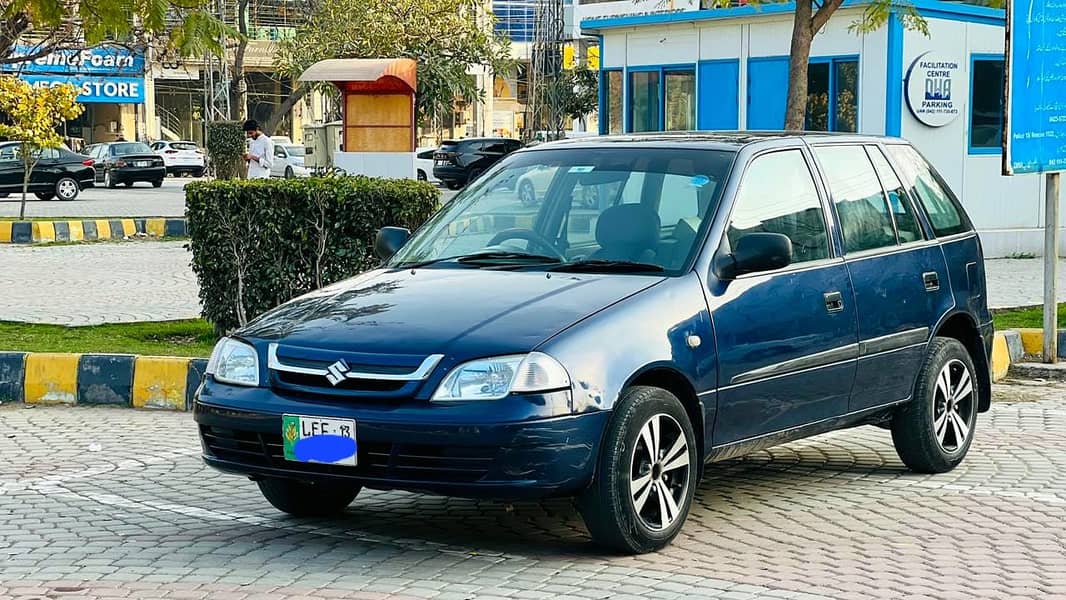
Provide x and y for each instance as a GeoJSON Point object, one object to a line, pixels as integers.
{"type": "Point", "coordinates": [88, 162]}
{"type": "Point", "coordinates": [120, 163]}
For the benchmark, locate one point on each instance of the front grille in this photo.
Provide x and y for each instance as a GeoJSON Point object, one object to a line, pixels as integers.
{"type": "Point", "coordinates": [352, 385]}
{"type": "Point", "coordinates": [379, 460]}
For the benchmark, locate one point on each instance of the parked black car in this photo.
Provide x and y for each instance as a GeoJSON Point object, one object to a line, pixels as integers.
{"type": "Point", "coordinates": [457, 163]}
{"type": "Point", "coordinates": [127, 163]}
{"type": "Point", "coordinates": [59, 173]}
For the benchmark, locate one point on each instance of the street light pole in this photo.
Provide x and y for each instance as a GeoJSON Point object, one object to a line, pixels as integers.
{"type": "Point", "coordinates": [1051, 255]}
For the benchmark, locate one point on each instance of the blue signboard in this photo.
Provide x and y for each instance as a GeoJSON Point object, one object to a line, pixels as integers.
{"type": "Point", "coordinates": [94, 61]}
{"type": "Point", "coordinates": [1036, 87]}
{"type": "Point", "coordinates": [118, 90]}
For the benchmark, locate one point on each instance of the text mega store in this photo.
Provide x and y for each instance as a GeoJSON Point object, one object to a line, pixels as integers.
{"type": "Point", "coordinates": [728, 69]}
{"type": "Point", "coordinates": [110, 82]}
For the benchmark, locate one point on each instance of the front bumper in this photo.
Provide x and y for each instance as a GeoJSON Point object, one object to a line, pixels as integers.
{"type": "Point", "coordinates": [503, 460]}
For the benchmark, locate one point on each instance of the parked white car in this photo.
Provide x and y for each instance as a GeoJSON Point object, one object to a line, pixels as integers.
{"type": "Point", "coordinates": [289, 161]}
{"type": "Point", "coordinates": [424, 164]}
{"type": "Point", "coordinates": [181, 157]}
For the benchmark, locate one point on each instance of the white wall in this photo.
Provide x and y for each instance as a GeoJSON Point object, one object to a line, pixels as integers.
{"type": "Point", "coordinates": [1007, 211]}
{"type": "Point", "coordinates": [626, 7]}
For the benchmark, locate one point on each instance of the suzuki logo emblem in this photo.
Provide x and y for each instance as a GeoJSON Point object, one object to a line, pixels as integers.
{"type": "Point", "coordinates": [337, 372]}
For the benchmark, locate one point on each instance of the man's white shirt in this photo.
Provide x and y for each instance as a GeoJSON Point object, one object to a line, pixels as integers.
{"type": "Point", "coordinates": [262, 147]}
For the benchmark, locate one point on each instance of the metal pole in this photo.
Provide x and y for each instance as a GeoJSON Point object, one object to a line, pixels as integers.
{"type": "Point", "coordinates": [1051, 255]}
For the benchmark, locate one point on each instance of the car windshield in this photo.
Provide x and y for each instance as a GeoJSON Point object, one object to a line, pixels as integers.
{"type": "Point", "coordinates": [295, 150]}
{"type": "Point", "coordinates": [613, 209]}
{"type": "Point", "coordinates": [130, 148]}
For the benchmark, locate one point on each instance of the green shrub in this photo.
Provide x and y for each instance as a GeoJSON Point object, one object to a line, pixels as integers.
{"type": "Point", "coordinates": [259, 243]}
{"type": "Point", "coordinates": [225, 145]}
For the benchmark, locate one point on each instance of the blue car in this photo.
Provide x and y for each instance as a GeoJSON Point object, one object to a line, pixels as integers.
{"type": "Point", "coordinates": [723, 293]}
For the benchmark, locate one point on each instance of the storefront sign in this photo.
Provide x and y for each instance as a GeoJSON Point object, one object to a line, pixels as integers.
{"type": "Point", "coordinates": [935, 89]}
{"type": "Point", "coordinates": [94, 61]}
{"type": "Point", "coordinates": [1036, 88]}
{"type": "Point", "coordinates": [119, 90]}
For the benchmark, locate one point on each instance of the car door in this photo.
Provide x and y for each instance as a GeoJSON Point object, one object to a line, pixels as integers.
{"type": "Point", "coordinates": [786, 339]}
{"type": "Point", "coordinates": [46, 171]}
{"type": "Point", "coordinates": [900, 278]}
{"type": "Point", "coordinates": [281, 160]}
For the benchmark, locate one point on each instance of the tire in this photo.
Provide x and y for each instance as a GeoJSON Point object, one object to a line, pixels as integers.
{"type": "Point", "coordinates": [109, 181]}
{"type": "Point", "coordinates": [454, 185]}
{"type": "Point", "coordinates": [198, 173]}
{"type": "Point", "coordinates": [157, 183]}
{"type": "Point", "coordinates": [924, 442]}
{"type": "Point", "coordinates": [609, 508]}
{"type": "Point", "coordinates": [67, 189]}
{"type": "Point", "coordinates": [289, 174]}
{"type": "Point", "coordinates": [127, 183]}
{"type": "Point", "coordinates": [527, 194]}
{"type": "Point", "coordinates": [302, 499]}
{"type": "Point", "coordinates": [421, 176]}
{"type": "Point", "coordinates": [44, 195]}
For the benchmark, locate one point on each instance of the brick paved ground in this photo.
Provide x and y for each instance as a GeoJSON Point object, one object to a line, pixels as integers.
{"type": "Point", "coordinates": [832, 517]}
{"type": "Point", "coordinates": [88, 284]}
{"type": "Point", "coordinates": [1020, 282]}
{"type": "Point", "coordinates": [142, 200]}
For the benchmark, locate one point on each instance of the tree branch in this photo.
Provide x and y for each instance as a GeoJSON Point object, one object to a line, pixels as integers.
{"type": "Point", "coordinates": [825, 11]}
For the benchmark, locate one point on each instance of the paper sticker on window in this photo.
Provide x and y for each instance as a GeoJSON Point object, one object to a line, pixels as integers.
{"type": "Point", "coordinates": [581, 169]}
{"type": "Point", "coordinates": [699, 180]}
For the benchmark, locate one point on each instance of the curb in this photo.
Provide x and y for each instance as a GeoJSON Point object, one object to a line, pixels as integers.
{"type": "Point", "coordinates": [1034, 370]}
{"type": "Point", "coordinates": [100, 379]}
{"type": "Point", "coordinates": [1011, 347]}
{"type": "Point", "coordinates": [33, 232]}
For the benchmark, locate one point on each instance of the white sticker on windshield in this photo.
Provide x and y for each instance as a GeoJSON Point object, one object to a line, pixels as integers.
{"type": "Point", "coordinates": [581, 169]}
{"type": "Point", "coordinates": [699, 180]}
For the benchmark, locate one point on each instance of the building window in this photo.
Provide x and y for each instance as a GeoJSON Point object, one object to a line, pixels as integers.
{"type": "Point", "coordinates": [986, 105]}
{"type": "Point", "coordinates": [644, 101]}
{"type": "Point", "coordinates": [611, 120]}
{"type": "Point", "coordinates": [832, 95]}
{"type": "Point", "coordinates": [680, 100]}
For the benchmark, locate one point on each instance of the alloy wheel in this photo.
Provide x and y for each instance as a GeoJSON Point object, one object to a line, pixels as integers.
{"type": "Point", "coordinates": [953, 399]}
{"type": "Point", "coordinates": [67, 189]}
{"type": "Point", "coordinates": [660, 472]}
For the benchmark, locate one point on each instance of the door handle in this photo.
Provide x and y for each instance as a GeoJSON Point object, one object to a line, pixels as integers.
{"type": "Point", "coordinates": [834, 302]}
{"type": "Point", "coordinates": [931, 281]}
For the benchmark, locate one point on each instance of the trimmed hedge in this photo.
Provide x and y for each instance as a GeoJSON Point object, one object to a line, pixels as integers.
{"type": "Point", "coordinates": [259, 243]}
{"type": "Point", "coordinates": [225, 145]}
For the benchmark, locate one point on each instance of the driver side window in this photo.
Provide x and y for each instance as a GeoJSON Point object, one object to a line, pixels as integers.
{"type": "Point", "coordinates": [777, 195]}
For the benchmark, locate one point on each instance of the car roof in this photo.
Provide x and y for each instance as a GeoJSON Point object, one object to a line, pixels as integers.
{"type": "Point", "coordinates": [716, 140]}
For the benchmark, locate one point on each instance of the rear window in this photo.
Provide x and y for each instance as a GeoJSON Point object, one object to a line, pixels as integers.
{"type": "Point", "coordinates": [183, 146]}
{"type": "Point", "coordinates": [130, 148]}
{"type": "Point", "coordinates": [932, 192]}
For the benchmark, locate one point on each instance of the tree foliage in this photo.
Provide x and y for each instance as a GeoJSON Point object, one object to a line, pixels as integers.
{"type": "Point", "coordinates": [447, 38]}
{"type": "Point", "coordinates": [33, 114]}
{"type": "Point", "coordinates": [580, 92]}
{"type": "Point", "coordinates": [185, 27]}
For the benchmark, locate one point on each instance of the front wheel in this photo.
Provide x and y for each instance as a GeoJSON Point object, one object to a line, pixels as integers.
{"type": "Point", "coordinates": [454, 185]}
{"type": "Point", "coordinates": [67, 189]}
{"type": "Point", "coordinates": [303, 499]}
{"type": "Point", "coordinates": [933, 432]}
{"type": "Point", "coordinates": [157, 183]}
{"type": "Point", "coordinates": [44, 195]}
{"type": "Point", "coordinates": [646, 476]}
{"type": "Point", "coordinates": [421, 176]}
{"type": "Point", "coordinates": [289, 173]}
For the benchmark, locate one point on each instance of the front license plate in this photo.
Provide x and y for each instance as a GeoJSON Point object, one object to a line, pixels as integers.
{"type": "Point", "coordinates": [319, 440]}
{"type": "Point", "coordinates": [142, 163]}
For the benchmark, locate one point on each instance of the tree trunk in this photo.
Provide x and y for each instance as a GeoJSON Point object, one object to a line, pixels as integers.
{"type": "Point", "coordinates": [239, 96]}
{"type": "Point", "coordinates": [799, 58]}
{"type": "Point", "coordinates": [279, 113]}
{"type": "Point", "coordinates": [27, 173]}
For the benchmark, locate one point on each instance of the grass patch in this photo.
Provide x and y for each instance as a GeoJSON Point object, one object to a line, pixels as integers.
{"type": "Point", "coordinates": [1018, 318]}
{"type": "Point", "coordinates": [193, 338]}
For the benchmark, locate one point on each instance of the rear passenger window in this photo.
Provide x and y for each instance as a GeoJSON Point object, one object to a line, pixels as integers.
{"type": "Point", "coordinates": [944, 213]}
{"type": "Point", "coordinates": [859, 199]}
{"type": "Point", "coordinates": [778, 195]}
{"type": "Point", "coordinates": [906, 223]}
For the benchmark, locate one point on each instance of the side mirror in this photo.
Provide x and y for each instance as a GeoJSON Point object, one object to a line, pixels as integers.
{"type": "Point", "coordinates": [754, 253]}
{"type": "Point", "coordinates": [389, 241]}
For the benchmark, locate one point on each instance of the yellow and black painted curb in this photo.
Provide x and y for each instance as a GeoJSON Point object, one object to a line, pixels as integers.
{"type": "Point", "coordinates": [36, 232]}
{"type": "Point", "coordinates": [100, 379]}
{"type": "Point", "coordinates": [1011, 346]}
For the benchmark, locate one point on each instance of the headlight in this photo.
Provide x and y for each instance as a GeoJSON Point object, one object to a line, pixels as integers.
{"type": "Point", "coordinates": [234, 362]}
{"type": "Point", "coordinates": [495, 378]}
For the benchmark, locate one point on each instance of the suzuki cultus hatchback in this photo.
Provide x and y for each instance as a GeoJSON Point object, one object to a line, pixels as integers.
{"type": "Point", "coordinates": [671, 301]}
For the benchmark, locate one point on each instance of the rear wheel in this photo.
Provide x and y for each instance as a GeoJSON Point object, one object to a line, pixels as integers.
{"type": "Point", "coordinates": [646, 475]}
{"type": "Point", "coordinates": [422, 175]}
{"type": "Point", "coordinates": [289, 173]}
{"type": "Point", "coordinates": [67, 189]}
{"type": "Point", "coordinates": [44, 195]}
{"type": "Point", "coordinates": [198, 173]}
{"type": "Point", "coordinates": [303, 499]}
{"type": "Point", "coordinates": [109, 180]}
{"type": "Point", "coordinates": [933, 432]}
{"type": "Point", "coordinates": [157, 183]}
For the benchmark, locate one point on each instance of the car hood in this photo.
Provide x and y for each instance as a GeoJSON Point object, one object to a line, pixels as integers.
{"type": "Point", "coordinates": [463, 313]}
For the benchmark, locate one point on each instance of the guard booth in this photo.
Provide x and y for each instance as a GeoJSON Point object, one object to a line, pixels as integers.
{"type": "Point", "coordinates": [378, 114]}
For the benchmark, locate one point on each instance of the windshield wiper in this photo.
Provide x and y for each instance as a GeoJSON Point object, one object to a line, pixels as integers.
{"type": "Point", "coordinates": [477, 258]}
{"type": "Point", "coordinates": [617, 266]}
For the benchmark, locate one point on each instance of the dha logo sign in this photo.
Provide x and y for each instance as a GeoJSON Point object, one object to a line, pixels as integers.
{"type": "Point", "coordinates": [929, 85]}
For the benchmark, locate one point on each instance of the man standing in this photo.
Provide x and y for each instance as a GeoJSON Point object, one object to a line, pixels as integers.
{"type": "Point", "coordinates": [260, 151]}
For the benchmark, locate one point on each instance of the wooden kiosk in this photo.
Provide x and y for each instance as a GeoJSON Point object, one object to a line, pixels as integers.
{"type": "Point", "coordinates": [378, 113]}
